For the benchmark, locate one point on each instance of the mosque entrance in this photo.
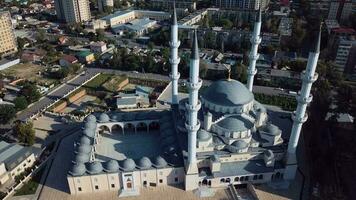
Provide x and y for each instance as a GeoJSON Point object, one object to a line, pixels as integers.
{"type": "Point", "coordinates": [129, 185]}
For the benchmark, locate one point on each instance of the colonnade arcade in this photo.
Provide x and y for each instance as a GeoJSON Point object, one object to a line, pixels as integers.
{"type": "Point", "coordinates": [128, 127]}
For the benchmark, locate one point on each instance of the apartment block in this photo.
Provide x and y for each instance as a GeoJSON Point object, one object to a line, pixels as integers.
{"type": "Point", "coordinates": [73, 11]}
{"type": "Point", "coordinates": [7, 36]}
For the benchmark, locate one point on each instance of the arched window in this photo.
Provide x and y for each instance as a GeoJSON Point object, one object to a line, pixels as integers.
{"type": "Point", "coordinates": [236, 179]}
{"type": "Point", "coordinates": [228, 180]}
{"type": "Point", "coordinates": [260, 176]}
{"type": "Point", "coordinates": [222, 180]}
{"type": "Point", "coordinates": [255, 177]}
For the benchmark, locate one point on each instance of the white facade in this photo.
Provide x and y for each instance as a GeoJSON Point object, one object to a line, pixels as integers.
{"type": "Point", "coordinates": [73, 10]}
{"type": "Point", "coordinates": [343, 51]}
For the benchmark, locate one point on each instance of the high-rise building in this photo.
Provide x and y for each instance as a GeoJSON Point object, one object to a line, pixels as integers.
{"type": "Point", "coordinates": [345, 44]}
{"type": "Point", "coordinates": [73, 11]}
{"type": "Point", "coordinates": [242, 4]}
{"type": "Point", "coordinates": [7, 36]}
{"type": "Point", "coordinates": [104, 4]}
{"type": "Point", "coordinates": [340, 10]}
{"type": "Point", "coordinates": [167, 4]}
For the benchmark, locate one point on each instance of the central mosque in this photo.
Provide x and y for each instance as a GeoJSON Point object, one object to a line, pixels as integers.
{"type": "Point", "coordinates": [215, 139]}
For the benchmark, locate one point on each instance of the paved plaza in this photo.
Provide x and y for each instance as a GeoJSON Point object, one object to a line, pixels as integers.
{"type": "Point", "coordinates": [120, 146]}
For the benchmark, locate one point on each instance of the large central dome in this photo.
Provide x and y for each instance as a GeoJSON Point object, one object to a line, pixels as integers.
{"type": "Point", "coordinates": [227, 93]}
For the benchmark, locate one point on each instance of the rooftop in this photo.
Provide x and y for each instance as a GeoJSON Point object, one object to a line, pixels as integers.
{"type": "Point", "coordinates": [13, 154]}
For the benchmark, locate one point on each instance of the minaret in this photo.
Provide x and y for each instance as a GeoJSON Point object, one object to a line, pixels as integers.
{"type": "Point", "coordinates": [174, 60]}
{"type": "Point", "coordinates": [255, 41]}
{"type": "Point", "coordinates": [299, 117]}
{"type": "Point", "coordinates": [193, 107]}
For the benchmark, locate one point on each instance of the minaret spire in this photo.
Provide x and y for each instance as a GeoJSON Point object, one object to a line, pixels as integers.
{"type": "Point", "coordinates": [304, 98]}
{"type": "Point", "coordinates": [193, 106]}
{"type": "Point", "coordinates": [255, 41]}
{"type": "Point", "coordinates": [174, 60]}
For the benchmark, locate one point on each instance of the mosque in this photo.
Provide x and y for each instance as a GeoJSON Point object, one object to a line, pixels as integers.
{"type": "Point", "coordinates": [212, 140]}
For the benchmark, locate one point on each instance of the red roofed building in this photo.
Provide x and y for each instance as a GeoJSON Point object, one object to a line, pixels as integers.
{"type": "Point", "coordinates": [68, 60]}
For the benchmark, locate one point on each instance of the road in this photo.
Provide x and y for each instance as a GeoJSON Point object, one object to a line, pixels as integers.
{"type": "Point", "coordinates": [54, 95]}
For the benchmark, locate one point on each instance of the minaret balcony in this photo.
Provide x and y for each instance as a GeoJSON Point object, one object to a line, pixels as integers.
{"type": "Point", "coordinates": [193, 108]}
{"type": "Point", "coordinates": [174, 44]}
{"type": "Point", "coordinates": [298, 118]}
{"type": "Point", "coordinates": [256, 40]}
{"type": "Point", "coordinates": [304, 100]}
{"type": "Point", "coordinates": [174, 61]}
{"type": "Point", "coordinates": [252, 73]}
{"type": "Point", "coordinates": [254, 56]}
{"type": "Point", "coordinates": [192, 128]}
{"type": "Point", "coordinates": [174, 77]}
{"type": "Point", "coordinates": [309, 78]}
{"type": "Point", "coordinates": [195, 86]}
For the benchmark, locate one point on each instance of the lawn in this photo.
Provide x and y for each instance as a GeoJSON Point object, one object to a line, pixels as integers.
{"type": "Point", "coordinates": [113, 83]}
{"type": "Point", "coordinates": [97, 82]}
{"type": "Point", "coordinates": [31, 186]}
{"type": "Point", "coordinates": [28, 71]}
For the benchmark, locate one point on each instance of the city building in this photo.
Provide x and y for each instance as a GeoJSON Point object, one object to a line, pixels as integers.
{"type": "Point", "coordinates": [344, 48]}
{"type": "Point", "coordinates": [86, 57]}
{"type": "Point", "coordinates": [340, 10]}
{"type": "Point", "coordinates": [7, 37]}
{"type": "Point", "coordinates": [137, 26]}
{"type": "Point", "coordinates": [103, 5]}
{"type": "Point", "coordinates": [14, 159]}
{"type": "Point", "coordinates": [138, 99]}
{"type": "Point", "coordinates": [73, 11]}
{"type": "Point", "coordinates": [98, 47]}
{"type": "Point", "coordinates": [122, 17]}
{"type": "Point", "coordinates": [242, 4]}
{"type": "Point", "coordinates": [67, 60]}
{"type": "Point", "coordinates": [167, 4]}
{"type": "Point", "coordinates": [221, 137]}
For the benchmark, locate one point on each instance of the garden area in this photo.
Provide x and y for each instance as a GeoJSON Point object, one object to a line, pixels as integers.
{"type": "Point", "coordinates": [31, 186]}
{"type": "Point", "coordinates": [288, 104]}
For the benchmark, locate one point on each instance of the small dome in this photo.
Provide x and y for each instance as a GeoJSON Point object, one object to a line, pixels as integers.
{"type": "Point", "coordinates": [89, 132]}
{"type": "Point", "coordinates": [144, 163]}
{"type": "Point", "coordinates": [116, 117]}
{"type": "Point", "coordinates": [85, 140]}
{"type": "Point", "coordinates": [271, 129]}
{"type": "Point", "coordinates": [228, 93]}
{"type": "Point", "coordinates": [95, 167]}
{"type": "Point", "coordinates": [90, 125]}
{"type": "Point", "coordinates": [128, 165]}
{"type": "Point", "coordinates": [159, 162]}
{"type": "Point", "coordinates": [81, 158]}
{"type": "Point", "coordinates": [77, 169]}
{"type": "Point", "coordinates": [111, 166]}
{"type": "Point", "coordinates": [235, 124]}
{"type": "Point", "coordinates": [85, 149]}
{"type": "Point", "coordinates": [240, 144]}
{"type": "Point", "coordinates": [203, 135]}
{"type": "Point", "coordinates": [91, 118]}
{"type": "Point", "coordinates": [104, 118]}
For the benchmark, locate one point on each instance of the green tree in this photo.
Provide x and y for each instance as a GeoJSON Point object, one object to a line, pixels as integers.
{"type": "Point", "coordinates": [30, 91]}
{"type": "Point", "coordinates": [7, 113]}
{"type": "Point", "coordinates": [25, 133]}
{"type": "Point", "coordinates": [20, 103]}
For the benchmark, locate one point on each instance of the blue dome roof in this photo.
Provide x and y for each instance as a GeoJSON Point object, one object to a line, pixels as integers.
{"type": "Point", "coordinates": [84, 140]}
{"type": "Point", "coordinates": [144, 163]}
{"type": "Point", "coordinates": [227, 93]}
{"type": "Point", "coordinates": [85, 149]}
{"type": "Point", "coordinates": [203, 135]}
{"type": "Point", "coordinates": [128, 165]}
{"type": "Point", "coordinates": [104, 118]}
{"type": "Point", "coordinates": [95, 167]}
{"type": "Point", "coordinates": [77, 169]}
{"type": "Point", "coordinates": [91, 118]}
{"type": "Point", "coordinates": [159, 162]}
{"type": "Point", "coordinates": [111, 166]}
{"type": "Point", "coordinates": [236, 124]}
{"type": "Point", "coordinates": [90, 125]}
{"type": "Point", "coordinates": [81, 158]}
{"type": "Point", "coordinates": [89, 132]}
{"type": "Point", "coordinates": [240, 144]}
